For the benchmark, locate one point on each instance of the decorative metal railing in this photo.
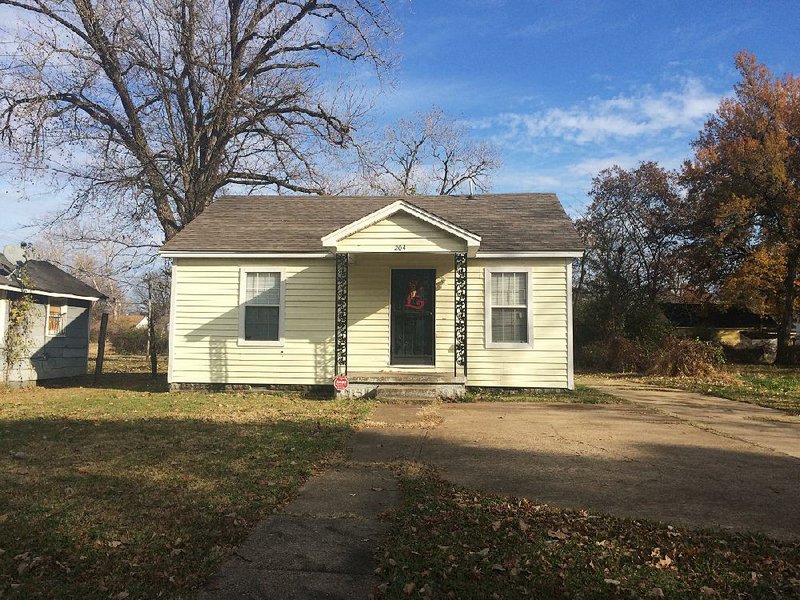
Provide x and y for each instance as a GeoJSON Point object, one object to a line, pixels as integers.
{"type": "Point", "coordinates": [460, 313]}
{"type": "Point", "coordinates": [340, 336]}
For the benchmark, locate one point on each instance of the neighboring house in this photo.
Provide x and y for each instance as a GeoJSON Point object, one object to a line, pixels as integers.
{"type": "Point", "coordinates": [434, 292]}
{"type": "Point", "coordinates": [59, 336]}
{"type": "Point", "coordinates": [706, 320]}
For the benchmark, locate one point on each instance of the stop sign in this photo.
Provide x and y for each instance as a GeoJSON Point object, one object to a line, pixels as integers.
{"type": "Point", "coordinates": [340, 383]}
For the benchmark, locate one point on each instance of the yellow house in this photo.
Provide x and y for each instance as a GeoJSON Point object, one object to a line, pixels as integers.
{"type": "Point", "coordinates": [433, 294]}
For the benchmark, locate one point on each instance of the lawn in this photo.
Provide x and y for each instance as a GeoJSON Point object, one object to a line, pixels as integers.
{"type": "Point", "coordinates": [582, 394]}
{"type": "Point", "coordinates": [126, 491]}
{"type": "Point", "coordinates": [764, 385]}
{"type": "Point", "coordinates": [448, 542]}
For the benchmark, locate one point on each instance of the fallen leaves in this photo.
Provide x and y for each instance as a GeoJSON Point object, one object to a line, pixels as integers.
{"type": "Point", "coordinates": [558, 534]}
{"type": "Point", "coordinates": [484, 546]}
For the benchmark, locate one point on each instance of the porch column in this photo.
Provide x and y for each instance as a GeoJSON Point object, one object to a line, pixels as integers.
{"type": "Point", "coordinates": [340, 334]}
{"type": "Point", "coordinates": [460, 313]}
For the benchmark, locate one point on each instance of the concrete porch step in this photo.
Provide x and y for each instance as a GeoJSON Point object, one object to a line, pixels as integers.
{"type": "Point", "coordinates": [417, 390]}
{"type": "Point", "coordinates": [404, 391]}
{"type": "Point", "coordinates": [406, 377]}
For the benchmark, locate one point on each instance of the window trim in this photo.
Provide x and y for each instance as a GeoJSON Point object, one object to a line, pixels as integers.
{"type": "Point", "coordinates": [64, 308]}
{"type": "Point", "coordinates": [243, 271]}
{"type": "Point", "coordinates": [487, 308]}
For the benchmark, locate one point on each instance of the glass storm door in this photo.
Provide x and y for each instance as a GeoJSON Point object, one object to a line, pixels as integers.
{"type": "Point", "coordinates": [413, 311]}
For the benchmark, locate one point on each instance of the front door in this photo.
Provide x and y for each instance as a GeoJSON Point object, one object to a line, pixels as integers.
{"type": "Point", "coordinates": [413, 311]}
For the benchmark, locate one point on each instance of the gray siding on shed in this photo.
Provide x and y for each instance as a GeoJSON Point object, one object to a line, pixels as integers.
{"type": "Point", "coordinates": [65, 355]}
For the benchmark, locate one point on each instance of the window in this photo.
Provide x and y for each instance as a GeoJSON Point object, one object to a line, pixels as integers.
{"type": "Point", "coordinates": [56, 316]}
{"type": "Point", "coordinates": [261, 299]}
{"type": "Point", "coordinates": [508, 318]}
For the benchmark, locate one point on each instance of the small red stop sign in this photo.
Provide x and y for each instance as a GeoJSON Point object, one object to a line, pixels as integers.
{"type": "Point", "coordinates": [340, 383]}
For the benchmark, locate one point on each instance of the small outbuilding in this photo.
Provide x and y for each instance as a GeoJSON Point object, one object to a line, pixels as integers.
{"type": "Point", "coordinates": [58, 337]}
{"type": "Point", "coordinates": [423, 292]}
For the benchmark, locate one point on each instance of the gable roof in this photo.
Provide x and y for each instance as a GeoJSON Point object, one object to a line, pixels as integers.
{"type": "Point", "coordinates": [297, 224]}
{"type": "Point", "coordinates": [401, 206]}
{"type": "Point", "coordinates": [48, 278]}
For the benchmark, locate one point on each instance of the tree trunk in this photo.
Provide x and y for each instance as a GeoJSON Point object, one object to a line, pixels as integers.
{"type": "Point", "coordinates": [783, 357]}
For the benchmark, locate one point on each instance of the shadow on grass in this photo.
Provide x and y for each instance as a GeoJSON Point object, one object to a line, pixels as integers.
{"type": "Point", "coordinates": [130, 382]}
{"type": "Point", "coordinates": [149, 506]}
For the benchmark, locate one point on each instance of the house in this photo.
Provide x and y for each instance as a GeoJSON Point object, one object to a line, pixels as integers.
{"type": "Point", "coordinates": [437, 293]}
{"type": "Point", "coordinates": [708, 320]}
{"type": "Point", "coordinates": [58, 339]}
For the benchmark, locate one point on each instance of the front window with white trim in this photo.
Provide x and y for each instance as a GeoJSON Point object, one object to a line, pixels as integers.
{"type": "Point", "coordinates": [508, 318]}
{"type": "Point", "coordinates": [262, 299]}
{"type": "Point", "coordinates": [56, 316]}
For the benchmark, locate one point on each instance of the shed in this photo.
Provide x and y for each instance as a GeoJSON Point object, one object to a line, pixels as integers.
{"type": "Point", "coordinates": [58, 341]}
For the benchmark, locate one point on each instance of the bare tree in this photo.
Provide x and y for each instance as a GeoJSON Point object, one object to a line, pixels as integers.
{"type": "Point", "coordinates": [429, 153]}
{"type": "Point", "coordinates": [87, 253]}
{"type": "Point", "coordinates": [150, 107]}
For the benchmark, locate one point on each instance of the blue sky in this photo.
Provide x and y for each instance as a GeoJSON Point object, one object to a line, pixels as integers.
{"type": "Point", "coordinates": [564, 88]}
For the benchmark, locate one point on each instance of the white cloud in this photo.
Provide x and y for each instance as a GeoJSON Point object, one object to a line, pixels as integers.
{"type": "Point", "coordinates": [645, 113]}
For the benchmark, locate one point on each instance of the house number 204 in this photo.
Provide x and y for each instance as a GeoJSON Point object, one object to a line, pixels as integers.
{"type": "Point", "coordinates": [400, 248]}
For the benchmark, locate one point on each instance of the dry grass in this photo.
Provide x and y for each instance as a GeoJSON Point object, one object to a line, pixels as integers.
{"type": "Point", "coordinates": [128, 491]}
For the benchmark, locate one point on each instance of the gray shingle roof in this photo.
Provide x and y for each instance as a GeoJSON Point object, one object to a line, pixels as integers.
{"type": "Point", "coordinates": [505, 222]}
{"type": "Point", "coordinates": [46, 277]}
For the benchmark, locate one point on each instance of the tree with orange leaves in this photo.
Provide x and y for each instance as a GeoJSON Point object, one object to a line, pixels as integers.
{"type": "Point", "coordinates": [744, 193]}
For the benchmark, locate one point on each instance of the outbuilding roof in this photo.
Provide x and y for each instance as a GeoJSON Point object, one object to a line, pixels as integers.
{"type": "Point", "coordinates": [46, 277]}
{"type": "Point", "coordinates": [252, 224]}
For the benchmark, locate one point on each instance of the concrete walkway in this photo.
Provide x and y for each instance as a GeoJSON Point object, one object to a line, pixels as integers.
{"type": "Point", "coordinates": [320, 546]}
{"type": "Point", "coordinates": [762, 427]}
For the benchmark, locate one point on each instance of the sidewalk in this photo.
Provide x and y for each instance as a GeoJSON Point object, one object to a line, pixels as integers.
{"type": "Point", "coordinates": [320, 546]}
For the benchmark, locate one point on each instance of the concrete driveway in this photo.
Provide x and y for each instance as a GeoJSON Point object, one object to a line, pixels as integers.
{"type": "Point", "coordinates": [630, 459]}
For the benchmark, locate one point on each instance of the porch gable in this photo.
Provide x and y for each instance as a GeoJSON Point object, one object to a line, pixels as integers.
{"type": "Point", "coordinates": [402, 227]}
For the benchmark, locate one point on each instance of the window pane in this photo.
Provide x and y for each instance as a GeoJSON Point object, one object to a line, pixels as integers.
{"type": "Point", "coordinates": [510, 325]}
{"type": "Point", "coordinates": [263, 288]}
{"type": "Point", "coordinates": [509, 289]}
{"type": "Point", "coordinates": [261, 323]}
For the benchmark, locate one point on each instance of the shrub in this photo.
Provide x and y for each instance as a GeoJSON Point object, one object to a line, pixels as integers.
{"type": "Point", "coordinates": [682, 357]}
{"type": "Point", "coordinates": [134, 341]}
{"type": "Point", "coordinates": [626, 355]}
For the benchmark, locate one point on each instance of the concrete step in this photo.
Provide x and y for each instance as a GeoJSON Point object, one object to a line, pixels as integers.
{"type": "Point", "coordinates": [405, 391]}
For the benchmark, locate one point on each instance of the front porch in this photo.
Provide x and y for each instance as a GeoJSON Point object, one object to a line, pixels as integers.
{"type": "Point", "coordinates": [396, 330]}
{"type": "Point", "coordinates": [401, 302]}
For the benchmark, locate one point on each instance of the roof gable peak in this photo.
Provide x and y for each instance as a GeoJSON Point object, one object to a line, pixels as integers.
{"type": "Point", "coordinates": [472, 240]}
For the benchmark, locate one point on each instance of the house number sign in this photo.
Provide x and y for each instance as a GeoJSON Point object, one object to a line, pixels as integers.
{"type": "Point", "coordinates": [400, 248]}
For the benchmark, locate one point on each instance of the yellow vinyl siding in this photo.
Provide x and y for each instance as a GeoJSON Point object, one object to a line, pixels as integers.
{"type": "Point", "coordinates": [206, 324]}
{"type": "Point", "coordinates": [544, 365]}
{"type": "Point", "coordinates": [205, 346]}
{"type": "Point", "coordinates": [401, 230]}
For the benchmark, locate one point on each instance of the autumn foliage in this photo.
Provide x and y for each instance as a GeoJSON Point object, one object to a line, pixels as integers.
{"type": "Point", "coordinates": [744, 195]}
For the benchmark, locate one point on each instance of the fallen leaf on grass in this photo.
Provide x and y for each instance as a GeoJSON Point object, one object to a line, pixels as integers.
{"type": "Point", "coordinates": [409, 588]}
{"type": "Point", "coordinates": [557, 534]}
{"type": "Point", "coordinates": [664, 563]}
